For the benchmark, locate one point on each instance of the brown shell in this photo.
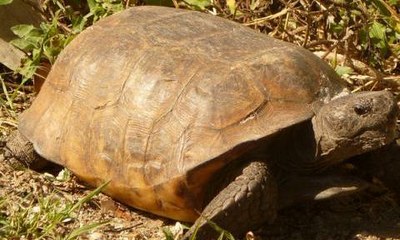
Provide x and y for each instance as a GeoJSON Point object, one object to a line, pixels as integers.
{"type": "Point", "coordinates": [157, 99]}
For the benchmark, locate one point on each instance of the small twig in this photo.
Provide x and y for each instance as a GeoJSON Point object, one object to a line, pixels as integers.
{"type": "Point", "coordinates": [267, 18]}
{"type": "Point", "coordinates": [319, 42]}
{"type": "Point", "coordinates": [127, 3]}
{"type": "Point", "coordinates": [176, 4]}
{"type": "Point", "coordinates": [363, 86]}
{"type": "Point", "coordinates": [298, 30]}
{"type": "Point", "coordinates": [9, 122]}
{"type": "Point", "coordinates": [21, 87]}
{"type": "Point", "coordinates": [348, 35]}
{"type": "Point", "coordinates": [65, 27]}
{"type": "Point", "coordinates": [321, 5]}
{"type": "Point", "coordinates": [285, 25]}
{"type": "Point", "coordinates": [392, 78]}
{"type": "Point", "coordinates": [307, 34]}
{"type": "Point", "coordinates": [393, 12]}
{"type": "Point", "coordinates": [358, 65]}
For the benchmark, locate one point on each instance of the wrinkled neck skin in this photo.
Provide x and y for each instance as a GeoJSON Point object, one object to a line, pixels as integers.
{"type": "Point", "coordinates": [345, 127]}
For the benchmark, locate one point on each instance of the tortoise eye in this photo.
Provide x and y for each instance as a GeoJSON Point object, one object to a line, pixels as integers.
{"type": "Point", "coordinates": [362, 108]}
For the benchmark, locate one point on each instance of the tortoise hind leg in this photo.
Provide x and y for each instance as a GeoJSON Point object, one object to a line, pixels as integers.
{"type": "Point", "coordinates": [19, 153]}
{"type": "Point", "coordinates": [248, 201]}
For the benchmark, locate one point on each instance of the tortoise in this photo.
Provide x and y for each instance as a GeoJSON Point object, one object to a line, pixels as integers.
{"type": "Point", "coordinates": [199, 119]}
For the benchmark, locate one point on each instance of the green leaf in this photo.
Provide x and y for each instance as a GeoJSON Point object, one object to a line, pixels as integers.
{"type": "Point", "coordinates": [168, 234]}
{"type": "Point", "coordinates": [68, 40]}
{"type": "Point", "coordinates": [84, 229]}
{"type": "Point", "coordinates": [88, 197]}
{"type": "Point", "coordinates": [64, 175]}
{"type": "Point", "coordinates": [23, 44]}
{"type": "Point", "coordinates": [5, 2]}
{"type": "Point", "coordinates": [381, 6]}
{"type": "Point", "coordinates": [92, 5]}
{"type": "Point", "coordinates": [231, 5]}
{"type": "Point", "coordinates": [254, 4]}
{"type": "Point", "coordinates": [341, 70]}
{"type": "Point", "coordinates": [48, 29]}
{"type": "Point", "coordinates": [36, 55]}
{"type": "Point", "coordinates": [336, 27]}
{"type": "Point", "coordinates": [27, 70]}
{"type": "Point", "coordinates": [9, 100]}
{"type": "Point", "coordinates": [377, 31]}
{"type": "Point", "coordinates": [22, 30]}
{"type": "Point", "coordinates": [78, 24]}
{"type": "Point", "coordinates": [201, 4]}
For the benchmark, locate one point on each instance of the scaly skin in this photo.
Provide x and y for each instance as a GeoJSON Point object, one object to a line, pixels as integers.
{"type": "Point", "coordinates": [247, 202]}
{"type": "Point", "coordinates": [20, 153]}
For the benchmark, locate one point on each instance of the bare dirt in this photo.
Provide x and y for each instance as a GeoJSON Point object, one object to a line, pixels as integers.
{"type": "Point", "coordinates": [373, 214]}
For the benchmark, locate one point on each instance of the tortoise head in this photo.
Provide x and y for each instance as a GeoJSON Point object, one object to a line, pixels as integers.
{"type": "Point", "coordinates": [354, 124]}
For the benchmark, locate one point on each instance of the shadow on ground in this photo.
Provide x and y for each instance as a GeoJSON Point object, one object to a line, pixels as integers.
{"type": "Point", "coordinates": [373, 214]}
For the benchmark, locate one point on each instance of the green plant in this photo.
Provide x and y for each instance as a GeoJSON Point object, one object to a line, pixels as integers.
{"type": "Point", "coordinates": [199, 4]}
{"type": "Point", "coordinates": [5, 2]}
{"type": "Point", "coordinates": [223, 234]}
{"type": "Point", "coordinates": [375, 26]}
{"type": "Point", "coordinates": [45, 42]}
{"type": "Point", "coordinates": [381, 35]}
{"type": "Point", "coordinates": [38, 217]}
{"type": "Point", "coordinates": [42, 43]}
{"type": "Point", "coordinates": [8, 99]}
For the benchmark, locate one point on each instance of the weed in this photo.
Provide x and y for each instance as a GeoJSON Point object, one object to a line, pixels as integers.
{"type": "Point", "coordinates": [5, 2]}
{"type": "Point", "coordinates": [38, 217]}
{"type": "Point", "coordinates": [45, 42]}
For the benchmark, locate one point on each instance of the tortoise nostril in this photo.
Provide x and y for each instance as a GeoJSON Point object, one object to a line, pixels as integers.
{"type": "Point", "coordinates": [362, 108]}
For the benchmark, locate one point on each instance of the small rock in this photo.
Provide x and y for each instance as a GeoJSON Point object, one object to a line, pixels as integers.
{"type": "Point", "coordinates": [95, 236]}
{"type": "Point", "coordinates": [251, 236]}
{"type": "Point", "coordinates": [108, 205]}
{"type": "Point", "coordinates": [177, 230]}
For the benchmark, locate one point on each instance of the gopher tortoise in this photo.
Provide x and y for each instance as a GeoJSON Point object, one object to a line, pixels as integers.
{"type": "Point", "coordinates": [188, 115]}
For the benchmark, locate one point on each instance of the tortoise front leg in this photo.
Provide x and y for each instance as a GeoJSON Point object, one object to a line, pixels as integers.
{"type": "Point", "coordinates": [247, 202]}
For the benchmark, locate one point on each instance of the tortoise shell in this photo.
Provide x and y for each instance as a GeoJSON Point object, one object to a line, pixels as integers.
{"type": "Point", "coordinates": [158, 100]}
